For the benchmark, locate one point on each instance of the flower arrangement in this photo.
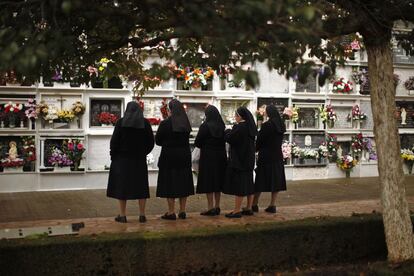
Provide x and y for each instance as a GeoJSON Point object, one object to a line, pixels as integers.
{"type": "Point", "coordinates": [30, 109]}
{"type": "Point", "coordinates": [42, 109]}
{"type": "Point", "coordinates": [358, 144]}
{"type": "Point", "coordinates": [260, 113]}
{"type": "Point", "coordinates": [295, 114]}
{"type": "Point", "coordinates": [164, 108]}
{"type": "Point", "coordinates": [287, 113]}
{"type": "Point", "coordinates": [78, 108]}
{"type": "Point", "coordinates": [7, 163]}
{"type": "Point", "coordinates": [52, 114]}
{"type": "Point", "coordinates": [331, 144]}
{"type": "Point", "coordinates": [101, 72]}
{"type": "Point", "coordinates": [74, 149]}
{"type": "Point", "coordinates": [342, 86]}
{"type": "Point", "coordinates": [224, 71]}
{"type": "Point", "coordinates": [328, 115]}
{"type": "Point", "coordinates": [11, 108]}
{"type": "Point", "coordinates": [29, 148]}
{"type": "Point", "coordinates": [65, 115]}
{"type": "Point", "coordinates": [357, 114]}
{"type": "Point", "coordinates": [57, 77]}
{"type": "Point", "coordinates": [59, 159]}
{"type": "Point", "coordinates": [310, 153]}
{"type": "Point", "coordinates": [154, 121]}
{"type": "Point", "coordinates": [198, 77]}
{"type": "Point", "coordinates": [286, 150]}
{"type": "Point", "coordinates": [370, 148]}
{"type": "Point", "coordinates": [107, 118]}
{"type": "Point", "coordinates": [346, 163]}
{"type": "Point", "coordinates": [323, 151]}
{"type": "Point", "coordinates": [408, 158]}
{"type": "Point", "coordinates": [409, 83]}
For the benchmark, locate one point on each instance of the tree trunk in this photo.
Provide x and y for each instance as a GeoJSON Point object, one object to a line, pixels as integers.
{"type": "Point", "coordinates": [396, 216]}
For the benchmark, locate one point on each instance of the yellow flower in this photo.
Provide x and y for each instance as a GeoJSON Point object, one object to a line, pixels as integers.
{"type": "Point", "coordinates": [101, 68]}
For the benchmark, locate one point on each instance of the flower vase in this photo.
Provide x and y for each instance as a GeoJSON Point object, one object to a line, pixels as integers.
{"type": "Point", "coordinates": [357, 88]}
{"type": "Point", "coordinates": [32, 124]}
{"type": "Point", "coordinates": [2, 124]}
{"type": "Point", "coordinates": [354, 123]}
{"type": "Point", "coordinates": [180, 84]}
{"type": "Point", "coordinates": [50, 124]}
{"type": "Point", "coordinates": [21, 123]}
{"type": "Point", "coordinates": [347, 173]}
{"type": "Point", "coordinates": [222, 84]}
{"type": "Point", "coordinates": [410, 92]}
{"type": "Point", "coordinates": [32, 166]}
{"type": "Point", "coordinates": [79, 122]}
{"type": "Point", "coordinates": [330, 123]}
{"type": "Point", "coordinates": [105, 83]}
{"type": "Point", "coordinates": [287, 124]}
{"type": "Point", "coordinates": [61, 169]}
{"type": "Point", "coordinates": [301, 161]}
{"type": "Point", "coordinates": [12, 122]}
{"type": "Point", "coordinates": [197, 88]}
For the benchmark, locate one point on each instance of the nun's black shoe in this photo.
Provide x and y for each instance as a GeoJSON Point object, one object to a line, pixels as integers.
{"type": "Point", "coordinates": [121, 219]}
{"type": "Point", "coordinates": [271, 209]}
{"type": "Point", "coordinates": [255, 208]}
{"type": "Point", "coordinates": [247, 212]}
{"type": "Point", "coordinates": [182, 215]}
{"type": "Point", "coordinates": [234, 215]}
{"type": "Point", "coordinates": [211, 212]}
{"type": "Point", "coordinates": [218, 211]}
{"type": "Point", "coordinates": [169, 216]}
{"type": "Point", "coordinates": [142, 219]}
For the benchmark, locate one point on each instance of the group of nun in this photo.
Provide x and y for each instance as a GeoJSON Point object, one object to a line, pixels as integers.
{"type": "Point", "coordinates": [219, 171]}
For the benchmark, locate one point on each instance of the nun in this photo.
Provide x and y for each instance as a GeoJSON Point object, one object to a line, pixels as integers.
{"type": "Point", "coordinates": [270, 171]}
{"type": "Point", "coordinates": [239, 173]}
{"type": "Point", "coordinates": [131, 141]}
{"type": "Point", "coordinates": [212, 164]}
{"type": "Point", "coordinates": [175, 178]}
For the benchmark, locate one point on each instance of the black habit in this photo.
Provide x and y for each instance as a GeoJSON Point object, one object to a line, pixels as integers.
{"type": "Point", "coordinates": [175, 178]}
{"type": "Point", "coordinates": [239, 174]}
{"type": "Point", "coordinates": [131, 141]}
{"type": "Point", "coordinates": [270, 171]}
{"type": "Point", "coordinates": [210, 140]}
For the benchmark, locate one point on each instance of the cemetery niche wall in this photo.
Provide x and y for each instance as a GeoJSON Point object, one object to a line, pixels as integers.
{"type": "Point", "coordinates": [54, 138]}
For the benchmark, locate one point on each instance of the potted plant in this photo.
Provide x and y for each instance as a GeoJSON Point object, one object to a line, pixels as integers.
{"type": "Point", "coordinates": [328, 115]}
{"type": "Point", "coordinates": [409, 85]}
{"type": "Point", "coordinates": [356, 116]}
{"type": "Point", "coordinates": [103, 75]}
{"type": "Point", "coordinates": [107, 119]}
{"type": "Point", "coordinates": [346, 163]}
{"type": "Point", "coordinates": [332, 145]}
{"type": "Point", "coordinates": [357, 145]}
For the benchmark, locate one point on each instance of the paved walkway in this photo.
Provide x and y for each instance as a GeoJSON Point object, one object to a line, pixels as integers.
{"type": "Point", "coordinates": [334, 197]}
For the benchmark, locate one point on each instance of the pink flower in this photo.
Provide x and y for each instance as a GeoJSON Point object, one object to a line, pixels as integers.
{"type": "Point", "coordinates": [92, 70]}
{"type": "Point", "coordinates": [70, 146]}
{"type": "Point", "coordinates": [80, 147]}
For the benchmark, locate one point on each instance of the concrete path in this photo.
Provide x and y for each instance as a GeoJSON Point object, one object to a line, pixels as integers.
{"type": "Point", "coordinates": [334, 197]}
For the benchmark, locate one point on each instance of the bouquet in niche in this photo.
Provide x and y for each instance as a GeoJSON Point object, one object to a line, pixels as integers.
{"type": "Point", "coordinates": [107, 118]}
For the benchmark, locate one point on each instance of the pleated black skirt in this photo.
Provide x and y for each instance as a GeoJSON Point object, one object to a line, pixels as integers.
{"type": "Point", "coordinates": [239, 183]}
{"type": "Point", "coordinates": [175, 183]}
{"type": "Point", "coordinates": [128, 179]}
{"type": "Point", "coordinates": [270, 178]}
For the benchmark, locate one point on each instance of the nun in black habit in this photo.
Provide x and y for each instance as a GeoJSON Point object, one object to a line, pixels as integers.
{"type": "Point", "coordinates": [212, 165]}
{"type": "Point", "coordinates": [131, 141]}
{"type": "Point", "coordinates": [270, 171]}
{"type": "Point", "coordinates": [239, 174]}
{"type": "Point", "coordinates": [175, 178]}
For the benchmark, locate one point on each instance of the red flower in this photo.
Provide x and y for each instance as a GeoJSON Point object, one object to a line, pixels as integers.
{"type": "Point", "coordinates": [70, 146]}
{"type": "Point", "coordinates": [80, 146]}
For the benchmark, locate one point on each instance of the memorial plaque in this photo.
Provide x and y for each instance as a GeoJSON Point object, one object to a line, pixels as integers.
{"type": "Point", "coordinates": [104, 105]}
{"type": "Point", "coordinates": [98, 152]}
{"type": "Point", "coordinates": [409, 114]}
{"type": "Point", "coordinates": [407, 141]}
{"type": "Point", "coordinates": [280, 103]}
{"type": "Point", "coordinates": [399, 56]}
{"type": "Point", "coordinates": [315, 139]}
{"type": "Point", "coordinates": [152, 108]}
{"type": "Point", "coordinates": [308, 117]}
{"type": "Point", "coordinates": [195, 113]}
{"type": "Point", "coordinates": [309, 86]}
{"type": "Point", "coordinates": [228, 109]}
{"type": "Point", "coordinates": [342, 115]}
{"type": "Point", "coordinates": [368, 123]}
